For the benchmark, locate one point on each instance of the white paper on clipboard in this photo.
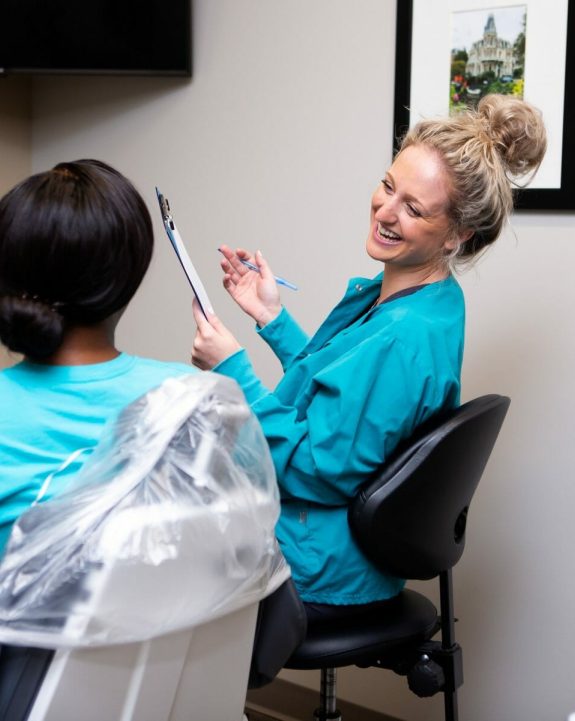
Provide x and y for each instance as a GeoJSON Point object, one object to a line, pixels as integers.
{"type": "Point", "coordinates": [183, 257]}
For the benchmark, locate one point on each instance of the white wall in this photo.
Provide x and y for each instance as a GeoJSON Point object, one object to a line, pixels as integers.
{"type": "Point", "coordinates": [15, 131]}
{"type": "Point", "coordinates": [276, 143]}
{"type": "Point", "coordinates": [15, 147]}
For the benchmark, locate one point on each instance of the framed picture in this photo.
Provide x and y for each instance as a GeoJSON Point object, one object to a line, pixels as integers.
{"type": "Point", "coordinates": [449, 53]}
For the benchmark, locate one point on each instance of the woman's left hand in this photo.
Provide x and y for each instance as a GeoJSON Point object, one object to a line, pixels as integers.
{"type": "Point", "coordinates": [213, 342]}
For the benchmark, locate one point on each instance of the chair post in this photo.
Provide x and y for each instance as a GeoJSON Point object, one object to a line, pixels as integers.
{"type": "Point", "coordinates": [446, 604]}
{"type": "Point", "coordinates": [449, 648]}
{"type": "Point", "coordinates": [328, 710]}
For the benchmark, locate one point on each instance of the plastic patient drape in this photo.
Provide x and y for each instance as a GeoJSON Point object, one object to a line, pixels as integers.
{"type": "Point", "coordinates": [170, 523]}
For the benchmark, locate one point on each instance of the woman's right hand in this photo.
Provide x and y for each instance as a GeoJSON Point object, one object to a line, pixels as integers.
{"type": "Point", "coordinates": [256, 293]}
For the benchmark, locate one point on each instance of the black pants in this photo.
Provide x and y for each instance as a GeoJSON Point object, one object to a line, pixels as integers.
{"type": "Point", "coordinates": [22, 671]}
{"type": "Point", "coordinates": [320, 612]}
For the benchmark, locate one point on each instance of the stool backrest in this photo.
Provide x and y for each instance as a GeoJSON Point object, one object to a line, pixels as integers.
{"type": "Point", "coordinates": [410, 519]}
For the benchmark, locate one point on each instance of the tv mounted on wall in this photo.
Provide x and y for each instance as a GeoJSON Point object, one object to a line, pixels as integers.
{"type": "Point", "coordinates": [96, 37]}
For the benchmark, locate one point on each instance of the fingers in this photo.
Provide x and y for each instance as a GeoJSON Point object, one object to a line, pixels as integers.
{"type": "Point", "coordinates": [265, 270]}
{"type": "Point", "coordinates": [204, 323]}
{"type": "Point", "coordinates": [199, 316]}
{"type": "Point", "coordinates": [207, 328]}
{"type": "Point", "coordinates": [216, 325]}
{"type": "Point", "coordinates": [226, 262]}
{"type": "Point", "coordinates": [233, 261]}
{"type": "Point", "coordinates": [234, 269]}
{"type": "Point", "coordinates": [197, 312]}
{"type": "Point", "coordinates": [212, 343]}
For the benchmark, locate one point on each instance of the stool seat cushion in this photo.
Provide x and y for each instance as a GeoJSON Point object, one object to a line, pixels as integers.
{"type": "Point", "coordinates": [367, 638]}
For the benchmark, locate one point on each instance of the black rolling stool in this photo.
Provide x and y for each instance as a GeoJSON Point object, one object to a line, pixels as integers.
{"type": "Point", "coordinates": [410, 521]}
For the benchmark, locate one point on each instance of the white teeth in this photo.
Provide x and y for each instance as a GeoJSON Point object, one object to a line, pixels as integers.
{"type": "Point", "coordinates": [387, 233]}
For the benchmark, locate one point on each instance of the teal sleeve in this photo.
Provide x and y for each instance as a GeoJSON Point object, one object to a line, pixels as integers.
{"type": "Point", "coordinates": [285, 337]}
{"type": "Point", "coordinates": [239, 367]}
{"type": "Point", "coordinates": [362, 406]}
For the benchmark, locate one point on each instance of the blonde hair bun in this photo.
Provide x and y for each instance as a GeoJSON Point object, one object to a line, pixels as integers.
{"type": "Point", "coordinates": [516, 130]}
{"type": "Point", "coordinates": [485, 151]}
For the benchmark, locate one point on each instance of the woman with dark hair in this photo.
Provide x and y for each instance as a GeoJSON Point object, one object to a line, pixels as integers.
{"type": "Point", "coordinates": [75, 244]}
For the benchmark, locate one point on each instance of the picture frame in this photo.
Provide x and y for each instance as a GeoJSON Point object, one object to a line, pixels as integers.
{"type": "Point", "coordinates": [556, 191]}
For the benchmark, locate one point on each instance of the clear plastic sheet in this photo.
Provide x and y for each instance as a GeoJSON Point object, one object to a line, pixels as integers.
{"type": "Point", "coordinates": [170, 523]}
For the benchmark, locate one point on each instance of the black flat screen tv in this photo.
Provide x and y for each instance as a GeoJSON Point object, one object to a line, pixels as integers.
{"type": "Point", "coordinates": [96, 37]}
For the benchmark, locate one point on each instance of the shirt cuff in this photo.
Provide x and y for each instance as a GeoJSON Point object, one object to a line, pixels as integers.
{"type": "Point", "coordinates": [284, 336]}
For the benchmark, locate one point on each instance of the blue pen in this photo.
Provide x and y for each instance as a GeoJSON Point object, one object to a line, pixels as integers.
{"type": "Point", "coordinates": [279, 281]}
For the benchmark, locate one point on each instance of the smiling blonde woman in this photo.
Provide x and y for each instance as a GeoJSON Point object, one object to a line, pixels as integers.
{"type": "Point", "coordinates": [388, 357]}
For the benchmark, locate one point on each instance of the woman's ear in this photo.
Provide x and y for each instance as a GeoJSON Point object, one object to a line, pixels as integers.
{"type": "Point", "coordinates": [454, 242]}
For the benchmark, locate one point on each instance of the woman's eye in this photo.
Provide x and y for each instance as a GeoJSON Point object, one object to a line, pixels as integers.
{"type": "Point", "coordinates": [387, 185]}
{"type": "Point", "coordinates": [413, 211]}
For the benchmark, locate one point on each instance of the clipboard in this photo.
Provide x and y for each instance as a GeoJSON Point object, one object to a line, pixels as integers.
{"type": "Point", "coordinates": [183, 257]}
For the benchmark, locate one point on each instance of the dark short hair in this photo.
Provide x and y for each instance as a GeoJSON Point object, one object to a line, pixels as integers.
{"type": "Point", "coordinates": [75, 244]}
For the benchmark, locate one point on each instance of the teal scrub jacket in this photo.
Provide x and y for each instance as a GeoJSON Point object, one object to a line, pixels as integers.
{"type": "Point", "coordinates": [348, 396]}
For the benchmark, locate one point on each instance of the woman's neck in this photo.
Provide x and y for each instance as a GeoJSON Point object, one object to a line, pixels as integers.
{"type": "Point", "coordinates": [85, 345]}
{"type": "Point", "coordinates": [396, 279]}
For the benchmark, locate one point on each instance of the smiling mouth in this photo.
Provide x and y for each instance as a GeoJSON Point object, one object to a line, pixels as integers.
{"type": "Point", "coordinates": [387, 236]}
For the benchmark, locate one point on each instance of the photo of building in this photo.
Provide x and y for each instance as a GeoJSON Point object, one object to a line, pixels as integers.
{"type": "Point", "coordinates": [487, 54]}
{"type": "Point", "coordinates": [491, 53]}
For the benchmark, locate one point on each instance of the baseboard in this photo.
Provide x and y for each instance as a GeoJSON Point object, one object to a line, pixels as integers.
{"type": "Point", "coordinates": [287, 701]}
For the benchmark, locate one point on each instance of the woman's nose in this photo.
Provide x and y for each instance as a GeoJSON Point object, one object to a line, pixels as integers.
{"type": "Point", "coordinates": [385, 209]}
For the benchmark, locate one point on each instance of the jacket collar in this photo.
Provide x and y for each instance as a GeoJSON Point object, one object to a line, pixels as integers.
{"type": "Point", "coordinates": [360, 295]}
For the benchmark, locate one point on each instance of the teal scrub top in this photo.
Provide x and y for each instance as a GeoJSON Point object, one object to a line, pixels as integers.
{"type": "Point", "coordinates": [49, 412]}
{"type": "Point", "coordinates": [348, 396]}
